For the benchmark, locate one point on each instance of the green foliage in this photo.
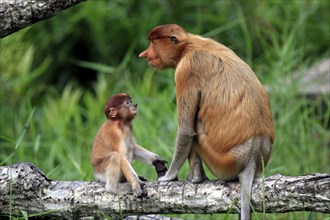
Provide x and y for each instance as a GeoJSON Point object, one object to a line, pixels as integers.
{"type": "Point", "coordinates": [56, 76]}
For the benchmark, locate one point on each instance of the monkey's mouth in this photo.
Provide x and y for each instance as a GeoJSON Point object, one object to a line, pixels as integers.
{"type": "Point", "coordinates": [150, 63]}
{"type": "Point", "coordinates": [134, 110]}
{"type": "Point", "coordinates": [155, 64]}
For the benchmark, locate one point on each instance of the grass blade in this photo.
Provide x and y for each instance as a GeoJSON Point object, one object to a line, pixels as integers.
{"type": "Point", "coordinates": [26, 127]}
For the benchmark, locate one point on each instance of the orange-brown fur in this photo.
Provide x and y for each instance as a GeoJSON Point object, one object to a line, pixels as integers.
{"type": "Point", "coordinates": [108, 139]}
{"type": "Point", "coordinates": [223, 110]}
{"type": "Point", "coordinates": [114, 146]}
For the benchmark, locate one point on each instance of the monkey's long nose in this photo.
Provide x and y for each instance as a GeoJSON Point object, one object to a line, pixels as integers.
{"type": "Point", "coordinates": [143, 54]}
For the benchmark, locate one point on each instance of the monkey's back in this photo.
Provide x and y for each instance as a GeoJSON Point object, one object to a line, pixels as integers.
{"type": "Point", "coordinates": [233, 105]}
{"type": "Point", "coordinates": [106, 140]}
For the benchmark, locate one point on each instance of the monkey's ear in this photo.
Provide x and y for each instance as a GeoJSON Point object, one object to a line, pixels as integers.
{"type": "Point", "coordinates": [174, 40]}
{"type": "Point", "coordinates": [112, 112]}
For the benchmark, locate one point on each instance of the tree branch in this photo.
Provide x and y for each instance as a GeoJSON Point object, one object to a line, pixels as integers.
{"type": "Point", "coordinates": [18, 14]}
{"type": "Point", "coordinates": [24, 187]}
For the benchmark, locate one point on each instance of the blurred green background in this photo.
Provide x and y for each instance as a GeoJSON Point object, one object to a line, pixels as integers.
{"type": "Point", "coordinates": [57, 74]}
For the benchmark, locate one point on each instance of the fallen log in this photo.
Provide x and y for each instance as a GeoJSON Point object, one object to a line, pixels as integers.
{"type": "Point", "coordinates": [24, 187]}
{"type": "Point", "coordinates": [18, 14]}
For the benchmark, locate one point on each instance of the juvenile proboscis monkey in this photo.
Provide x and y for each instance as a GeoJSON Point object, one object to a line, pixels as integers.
{"type": "Point", "coordinates": [115, 147]}
{"type": "Point", "coordinates": [224, 114]}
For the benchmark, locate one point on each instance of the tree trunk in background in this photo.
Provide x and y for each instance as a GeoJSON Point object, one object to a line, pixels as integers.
{"type": "Point", "coordinates": [24, 187]}
{"type": "Point", "coordinates": [18, 14]}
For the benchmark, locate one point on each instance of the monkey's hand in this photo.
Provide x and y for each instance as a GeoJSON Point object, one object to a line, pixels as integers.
{"type": "Point", "coordinates": [160, 167]}
{"type": "Point", "coordinates": [142, 178]}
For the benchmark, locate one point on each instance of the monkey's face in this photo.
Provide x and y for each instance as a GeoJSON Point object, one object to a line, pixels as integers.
{"type": "Point", "coordinates": [132, 108]}
{"type": "Point", "coordinates": [166, 45]}
{"type": "Point", "coordinates": [164, 52]}
{"type": "Point", "coordinates": [120, 107]}
{"type": "Point", "coordinates": [152, 57]}
{"type": "Point", "coordinates": [126, 111]}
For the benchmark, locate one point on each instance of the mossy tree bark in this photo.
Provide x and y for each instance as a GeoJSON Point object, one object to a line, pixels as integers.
{"type": "Point", "coordinates": [24, 187]}
{"type": "Point", "coordinates": [18, 14]}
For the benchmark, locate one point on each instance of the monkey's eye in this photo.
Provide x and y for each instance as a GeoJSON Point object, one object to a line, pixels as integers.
{"type": "Point", "coordinates": [174, 40]}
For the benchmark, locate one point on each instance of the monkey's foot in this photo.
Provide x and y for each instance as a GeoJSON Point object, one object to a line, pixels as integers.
{"type": "Point", "coordinates": [138, 190]}
{"type": "Point", "coordinates": [196, 173]}
{"type": "Point", "coordinates": [167, 178]}
{"type": "Point", "coordinates": [111, 188]}
{"type": "Point", "coordinates": [196, 178]}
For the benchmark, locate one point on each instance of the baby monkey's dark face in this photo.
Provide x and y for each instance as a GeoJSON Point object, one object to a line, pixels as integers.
{"type": "Point", "coordinates": [131, 106]}
{"type": "Point", "coordinates": [120, 107]}
{"type": "Point", "coordinates": [125, 111]}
